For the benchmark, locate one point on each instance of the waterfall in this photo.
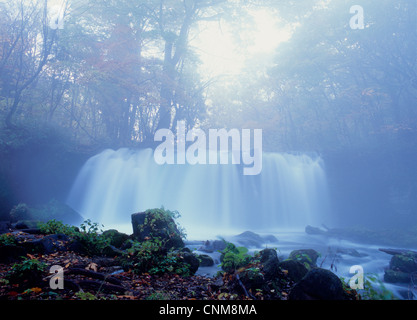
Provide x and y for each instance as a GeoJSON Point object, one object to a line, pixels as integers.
{"type": "Point", "coordinates": [290, 193]}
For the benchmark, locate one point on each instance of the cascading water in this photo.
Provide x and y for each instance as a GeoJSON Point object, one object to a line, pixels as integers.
{"type": "Point", "coordinates": [290, 192]}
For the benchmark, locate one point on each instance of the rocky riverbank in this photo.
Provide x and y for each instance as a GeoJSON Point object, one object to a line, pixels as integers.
{"type": "Point", "coordinates": [57, 261]}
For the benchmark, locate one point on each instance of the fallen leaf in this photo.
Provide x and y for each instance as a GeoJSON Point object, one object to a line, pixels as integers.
{"type": "Point", "coordinates": [36, 289]}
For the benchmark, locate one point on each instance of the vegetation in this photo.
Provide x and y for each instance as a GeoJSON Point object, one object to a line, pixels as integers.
{"type": "Point", "coordinates": [233, 258]}
{"type": "Point", "coordinates": [29, 272]}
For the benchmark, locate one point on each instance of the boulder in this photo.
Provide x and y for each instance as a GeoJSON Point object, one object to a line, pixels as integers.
{"type": "Point", "coordinates": [157, 223]}
{"type": "Point", "coordinates": [391, 276]}
{"type": "Point", "coordinates": [296, 270]}
{"type": "Point", "coordinates": [253, 240]}
{"type": "Point", "coordinates": [116, 238]}
{"type": "Point", "coordinates": [401, 268]}
{"type": "Point", "coordinates": [205, 260]}
{"type": "Point", "coordinates": [318, 284]}
{"type": "Point", "coordinates": [406, 262]}
{"type": "Point", "coordinates": [308, 257]}
{"type": "Point", "coordinates": [48, 244]}
{"type": "Point", "coordinates": [269, 259]}
{"type": "Point", "coordinates": [211, 246]}
{"type": "Point", "coordinates": [192, 260]}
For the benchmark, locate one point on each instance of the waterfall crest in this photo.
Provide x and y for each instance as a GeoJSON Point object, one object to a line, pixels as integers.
{"type": "Point", "coordinates": [290, 193]}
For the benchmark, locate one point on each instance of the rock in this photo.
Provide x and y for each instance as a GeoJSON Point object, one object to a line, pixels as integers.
{"type": "Point", "coordinates": [48, 244]}
{"type": "Point", "coordinates": [270, 262]}
{"type": "Point", "coordinates": [213, 246]}
{"type": "Point", "coordinates": [111, 251]}
{"type": "Point", "coordinates": [216, 284]}
{"type": "Point", "coordinates": [351, 252]}
{"type": "Point", "coordinates": [251, 278]}
{"type": "Point", "coordinates": [157, 223]}
{"type": "Point", "coordinates": [391, 276]}
{"type": "Point", "coordinates": [192, 261]}
{"type": "Point", "coordinates": [296, 270]}
{"type": "Point", "coordinates": [314, 230]}
{"type": "Point", "coordinates": [318, 284]}
{"type": "Point", "coordinates": [308, 257]}
{"type": "Point", "coordinates": [401, 268]}
{"type": "Point", "coordinates": [267, 255]}
{"type": "Point", "coordinates": [205, 260]}
{"type": "Point", "coordinates": [406, 262]}
{"type": "Point", "coordinates": [116, 238]}
{"type": "Point", "coordinates": [251, 239]}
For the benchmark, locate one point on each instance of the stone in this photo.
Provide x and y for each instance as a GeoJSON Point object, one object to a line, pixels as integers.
{"type": "Point", "coordinates": [48, 244]}
{"type": "Point", "coordinates": [269, 259]}
{"type": "Point", "coordinates": [205, 260]}
{"type": "Point", "coordinates": [156, 223]}
{"type": "Point", "coordinates": [192, 260]}
{"type": "Point", "coordinates": [296, 270]}
{"type": "Point", "coordinates": [253, 240]}
{"type": "Point", "coordinates": [116, 238]}
{"type": "Point", "coordinates": [318, 284]}
{"type": "Point", "coordinates": [392, 276]}
{"type": "Point", "coordinates": [308, 257]}
{"type": "Point", "coordinates": [211, 246]}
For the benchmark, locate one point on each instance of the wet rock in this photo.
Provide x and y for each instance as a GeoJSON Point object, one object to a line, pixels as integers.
{"type": "Point", "coordinates": [269, 259]}
{"type": "Point", "coordinates": [116, 238]}
{"type": "Point", "coordinates": [401, 268]}
{"type": "Point", "coordinates": [211, 246]}
{"type": "Point", "coordinates": [296, 270]}
{"type": "Point", "coordinates": [253, 240]}
{"type": "Point", "coordinates": [205, 260]}
{"type": "Point", "coordinates": [391, 276]}
{"type": "Point", "coordinates": [318, 284]}
{"type": "Point", "coordinates": [192, 260]}
{"type": "Point", "coordinates": [48, 244]}
{"type": "Point", "coordinates": [308, 257]}
{"type": "Point", "coordinates": [156, 223]}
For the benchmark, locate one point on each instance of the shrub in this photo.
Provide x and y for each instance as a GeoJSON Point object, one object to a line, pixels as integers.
{"type": "Point", "coordinates": [7, 239]}
{"type": "Point", "coordinates": [29, 271]}
{"type": "Point", "coordinates": [233, 258]}
{"type": "Point", "coordinates": [151, 256]}
{"type": "Point", "coordinates": [57, 227]}
{"type": "Point", "coordinates": [91, 238]}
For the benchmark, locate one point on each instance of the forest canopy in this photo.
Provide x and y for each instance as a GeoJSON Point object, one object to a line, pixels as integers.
{"type": "Point", "coordinates": [113, 72]}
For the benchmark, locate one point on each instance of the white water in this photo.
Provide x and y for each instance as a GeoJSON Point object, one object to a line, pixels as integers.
{"type": "Point", "coordinates": [290, 193]}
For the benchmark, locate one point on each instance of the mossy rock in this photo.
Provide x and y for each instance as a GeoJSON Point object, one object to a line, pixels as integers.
{"type": "Point", "coordinates": [308, 257]}
{"type": "Point", "coordinates": [157, 223]}
{"type": "Point", "coordinates": [392, 276]}
{"type": "Point", "coordinates": [406, 262]}
{"type": "Point", "coordinates": [205, 260]}
{"type": "Point", "coordinates": [115, 237]}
